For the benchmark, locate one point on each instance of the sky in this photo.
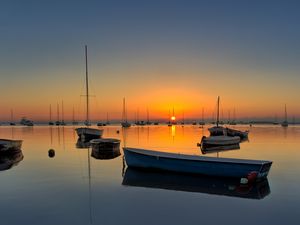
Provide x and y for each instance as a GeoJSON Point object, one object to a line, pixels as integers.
{"type": "Point", "coordinates": [158, 54]}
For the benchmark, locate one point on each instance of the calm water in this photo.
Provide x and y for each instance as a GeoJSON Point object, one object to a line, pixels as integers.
{"type": "Point", "coordinates": [75, 188]}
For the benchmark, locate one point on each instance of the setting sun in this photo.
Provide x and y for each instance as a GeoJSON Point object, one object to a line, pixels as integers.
{"type": "Point", "coordinates": [173, 118]}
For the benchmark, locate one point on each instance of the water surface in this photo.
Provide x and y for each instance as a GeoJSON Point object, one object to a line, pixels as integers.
{"type": "Point", "coordinates": [75, 188]}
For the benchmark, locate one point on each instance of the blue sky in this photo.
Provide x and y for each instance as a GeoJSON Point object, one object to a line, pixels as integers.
{"type": "Point", "coordinates": [253, 42]}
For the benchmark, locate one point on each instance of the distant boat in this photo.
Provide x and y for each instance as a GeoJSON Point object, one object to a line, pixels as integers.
{"type": "Point", "coordinates": [7, 145]}
{"type": "Point", "coordinates": [26, 122]}
{"type": "Point", "coordinates": [156, 123]}
{"type": "Point", "coordinates": [50, 116]}
{"type": "Point", "coordinates": [254, 170]}
{"type": "Point", "coordinates": [195, 183]}
{"type": "Point", "coordinates": [86, 133]}
{"type": "Point", "coordinates": [285, 122]}
{"type": "Point", "coordinates": [124, 122]}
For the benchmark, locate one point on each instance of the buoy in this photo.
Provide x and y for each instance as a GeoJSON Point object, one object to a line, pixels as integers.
{"type": "Point", "coordinates": [252, 176]}
{"type": "Point", "coordinates": [51, 153]}
{"type": "Point", "coordinates": [118, 131]}
{"type": "Point", "coordinates": [244, 180]}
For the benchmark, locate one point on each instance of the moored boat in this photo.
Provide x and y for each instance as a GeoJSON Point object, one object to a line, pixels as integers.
{"type": "Point", "coordinates": [105, 148]}
{"type": "Point", "coordinates": [86, 133]}
{"type": "Point", "coordinates": [7, 145]}
{"type": "Point", "coordinates": [224, 140]}
{"type": "Point", "coordinates": [105, 144]}
{"type": "Point", "coordinates": [26, 122]}
{"type": "Point", "coordinates": [212, 166]}
{"type": "Point", "coordinates": [220, 130]}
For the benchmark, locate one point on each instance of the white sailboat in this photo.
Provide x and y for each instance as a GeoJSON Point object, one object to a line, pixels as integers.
{"type": "Point", "coordinates": [125, 123]}
{"type": "Point", "coordinates": [285, 122]}
{"type": "Point", "coordinates": [221, 139]}
{"type": "Point", "coordinates": [87, 133]}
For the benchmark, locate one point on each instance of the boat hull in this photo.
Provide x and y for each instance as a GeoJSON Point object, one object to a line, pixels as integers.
{"type": "Point", "coordinates": [87, 134]}
{"type": "Point", "coordinates": [217, 131]}
{"type": "Point", "coordinates": [211, 166]}
{"type": "Point", "coordinates": [214, 141]}
{"type": "Point", "coordinates": [10, 145]}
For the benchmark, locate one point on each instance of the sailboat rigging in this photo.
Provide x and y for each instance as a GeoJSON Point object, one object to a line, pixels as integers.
{"type": "Point", "coordinates": [86, 133]}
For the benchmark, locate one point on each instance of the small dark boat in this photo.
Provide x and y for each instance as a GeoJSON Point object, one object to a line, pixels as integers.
{"type": "Point", "coordinates": [253, 170]}
{"type": "Point", "coordinates": [216, 141]}
{"type": "Point", "coordinates": [105, 148]}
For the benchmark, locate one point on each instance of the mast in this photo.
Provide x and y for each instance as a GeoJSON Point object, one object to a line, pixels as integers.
{"type": "Point", "coordinates": [169, 116]}
{"type": "Point", "coordinates": [148, 115]}
{"type": "Point", "coordinates": [11, 116]}
{"type": "Point", "coordinates": [62, 112]}
{"type": "Point", "coordinates": [57, 112]}
{"type": "Point", "coordinates": [107, 122]}
{"type": "Point", "coordinates": [50, 112]}
{"type": "Point", "coordinates": [218, 109]}
{"type": "Point", "coordinates": [87, 88]}
{"type": "Point", "coordinates": [202, 115]}
{"type": "Point", "coordinates": [285, 113]}
{"type": "Point", "coordinates": [124, 119]}
{"type": "Point", "coordinates": [73, 115]}
{"type": "Point", "coordinates": [183, 116]}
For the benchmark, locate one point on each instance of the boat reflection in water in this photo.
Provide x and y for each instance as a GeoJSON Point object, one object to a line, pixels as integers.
{"type": "Point", "coordinates": [11, 159]}
{"type": "Point", "coordinates": [105, 148]}
{"type": "Point", "coordinates": [82, 144]}
{"type": "Point", "coordinates": [217, 149]}
{"type": "Point", "coordinates": [195, 183]}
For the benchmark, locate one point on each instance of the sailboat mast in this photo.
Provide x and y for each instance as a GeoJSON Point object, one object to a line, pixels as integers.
{"type": "Point", "coordinates": [147, 115]}
{"type": "Point", "coordinates": [218, 109]}
{"type": "Point", "coordinates": [285, 113]}
{"type": "Point", "coordinates": [62, 111]}
{"type": "Point", "coordinates": [50, 113]}
{"type": "Point", "coordinates": [202, 115]}
{"type": "Point", "coordinates": [11, 115]}
{"type": "Point", "coordinates": [87, 88]}
{"type": "Point", "coordinates": [123, 113]}
{"type": "Point", "coordinates": [73, 115]}
{"type": "Point", "coordinates": [57, 112]}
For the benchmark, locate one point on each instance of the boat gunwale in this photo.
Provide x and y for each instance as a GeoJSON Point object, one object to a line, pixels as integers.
{"type": "Point", "coordinates": [174, 156]}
